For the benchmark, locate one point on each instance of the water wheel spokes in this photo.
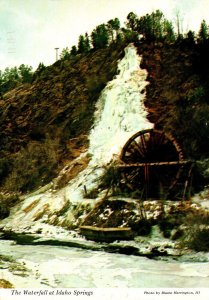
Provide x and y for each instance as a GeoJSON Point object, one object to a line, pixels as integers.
{"type": "Point", "coordinates": [152, 162]}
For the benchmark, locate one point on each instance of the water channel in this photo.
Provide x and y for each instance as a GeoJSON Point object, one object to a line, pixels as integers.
{"type": "Point", "coordinates": [43, 266]}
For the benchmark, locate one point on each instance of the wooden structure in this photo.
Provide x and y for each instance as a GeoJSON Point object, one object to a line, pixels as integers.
{"type": "Point", "coordinates": [108, 234]}
{"type": "Point", "coordinates": [152, 163]}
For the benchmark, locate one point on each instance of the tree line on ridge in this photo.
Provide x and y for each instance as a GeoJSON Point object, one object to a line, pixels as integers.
{"type": "Point", "coordinates": [152, 27]}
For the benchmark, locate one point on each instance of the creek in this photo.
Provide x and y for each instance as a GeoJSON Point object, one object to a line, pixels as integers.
{"type": "Point", "coordinates": [39, 266]}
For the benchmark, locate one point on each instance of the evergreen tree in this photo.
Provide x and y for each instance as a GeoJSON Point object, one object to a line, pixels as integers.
{"type": "Point", "coordinates": [132, 21]}
{"type": "Point", "coordinates": [73, 50]}
{"type": "Point", "coordinates": [39, 71]}
{"type": "Point", "coordinates": [41, 67]}
{"type": "Point", "coordinates": [156, 27]}
{"type": "Point", "coordinates": [145, 27]}
{"type": "Point", "coordinates": [203, 32]}
{"type": "Point", "coordinates": [100, 37]}
{"type": "Point", "coordinates": [65, 54]}
{"type": "Point", "coordinates": [84, 43]}
{"type": "Point", "coordinates": [10, 79]}
{"type": "Point", "coordinates": [87, 42]}
{"type": "Point", "coordinates": [190, 36]}
{"type": "Point", "coordinates": [25, 73]}
{"type": "Point", "coordinates": [119, 38]}
{"type": "Point", "coordinates": [81, 44]}
{"type": "Point", "coordinates": [169, 31]}
{"type": "Point", "coordinates": [113, 28]}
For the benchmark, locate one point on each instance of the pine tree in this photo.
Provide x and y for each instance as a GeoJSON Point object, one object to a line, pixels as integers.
{"type": "Point", "coordinates": [100, 37]}
{"type": "Point", "coordinates": [81, 44]}
{"type": "Point", "coordinates": [203, 32]}
{"type": "Point", "coordinates": [25, 73]}
{"type": "Point", "coordinates": [65, 54]}
{"type": "Point", "coordinates": [73, 50]}
{"type": "Point", "coordinates": [132, 21]}
{"type": "Point", "coordinates": [113, 28]}
{"type": "Point", "coordinates": [84, 43]}
{"type": "Point", "coordinates": [87, 42]}
{"type": "Point", "coordinates": [190, 36]}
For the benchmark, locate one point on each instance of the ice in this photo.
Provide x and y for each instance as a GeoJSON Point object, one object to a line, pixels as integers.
{"type": "Point", "coordinates": [52, 266]}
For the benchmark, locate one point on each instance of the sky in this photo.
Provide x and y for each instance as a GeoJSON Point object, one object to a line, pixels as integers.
{"type": "Point", "coordinates": [30, 30]}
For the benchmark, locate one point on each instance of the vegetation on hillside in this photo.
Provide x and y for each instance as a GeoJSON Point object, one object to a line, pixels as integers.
{"type": "Point", "coordinates": [45, 124]}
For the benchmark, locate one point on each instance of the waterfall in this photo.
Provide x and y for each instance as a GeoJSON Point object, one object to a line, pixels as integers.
{"type": "Point", "coordinates": [120, 109]}
{"type": "Point", "coordinates": [120, 112]}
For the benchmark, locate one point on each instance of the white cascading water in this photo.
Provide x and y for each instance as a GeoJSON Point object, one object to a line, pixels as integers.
{"type": "Point", "coordinates": [120, 113]}
{"type": "Point", "coordinates": [120, 109]}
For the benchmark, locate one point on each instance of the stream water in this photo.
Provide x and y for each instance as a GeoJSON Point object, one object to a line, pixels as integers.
{"type": "Point", "coordinates": [63, 267]}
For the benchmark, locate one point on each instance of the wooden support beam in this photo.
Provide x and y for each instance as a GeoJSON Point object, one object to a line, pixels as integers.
{"type": "Point", "coordinates": [164, 163]}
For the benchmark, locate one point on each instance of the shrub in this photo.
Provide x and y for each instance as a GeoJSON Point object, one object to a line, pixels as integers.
{"type": "Point", "coordinates": [196, 235]}
{"type": "Point", "coordinates": [197, 239]}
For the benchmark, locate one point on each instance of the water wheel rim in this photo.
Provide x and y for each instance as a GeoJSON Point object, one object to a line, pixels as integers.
{"type": "Point", "coordinates": [141, 148]}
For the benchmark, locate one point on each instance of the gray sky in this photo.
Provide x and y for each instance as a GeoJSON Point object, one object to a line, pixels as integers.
{"type": "Point", "coordinates": [31, 29]}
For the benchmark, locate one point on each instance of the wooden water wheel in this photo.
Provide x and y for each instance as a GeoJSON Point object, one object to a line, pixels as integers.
{"type": "Point", "coordinates": [152, 163]}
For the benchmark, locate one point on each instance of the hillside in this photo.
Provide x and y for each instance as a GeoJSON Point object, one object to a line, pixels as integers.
{"type": "Point", "coordinates": [177, 97]}
{"type": "Point", "coordinates": [45, 124]}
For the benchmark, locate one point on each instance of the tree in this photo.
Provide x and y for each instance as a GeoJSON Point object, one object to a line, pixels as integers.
{"type": "Point", "coordinates": [129, 35]}
{"type": "Point", "coordinates": [65, 54]}
{"type": "Point", "coordinates": [169, 31]}
{"type": "Point", "coordinates": [145, 27]}
{"type": "Point", "coordinates": [84, 43]}
{"type": "Point", "coordinates": [119, 38]}
{"type": "Point", "coordinates": [25, 73]}
{"type": "Point", "coordinates": [81, 44]}
{"type": "Point", "coordinates": [10, 79]}
{"type": "Point", "coordinates": [87, 42]}
{"type": "Point", "coordinates": [41, 68]}
{"type": "Point", "coordinates": [156, 27]}
{"type": "Point", "coordinates": [73, 50]}
{"type": "Point", "coordinates": [203, 32]}
{"type": "Point", "coordinates": [113, 28]}
{"type": "Point", "coordinates": [132, 21]}
{"type": "Point", "coordinates": [100, 37]}
{"type": "Point", "coordinates": [190, 36]}
{"type": "Point", "coordinates": [39, 71]}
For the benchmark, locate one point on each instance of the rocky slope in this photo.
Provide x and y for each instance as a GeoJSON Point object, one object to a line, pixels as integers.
{"type": "Point", "coordinates": [177, 97]}
{"type": "Point", "coordinates": [45, 125]}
